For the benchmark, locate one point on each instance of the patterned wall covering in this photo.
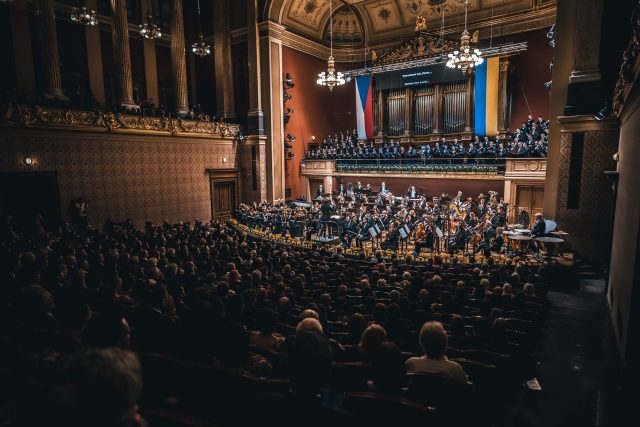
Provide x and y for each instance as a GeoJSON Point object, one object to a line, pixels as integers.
{"type": "Point", "coordinates": [124, 176]}
{"type": "Point", "coordinates": [589, 226]}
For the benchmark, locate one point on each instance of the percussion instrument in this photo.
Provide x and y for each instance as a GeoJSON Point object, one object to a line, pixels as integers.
{"type": "Point", "coordinates": [522, 231]}
{"type": "Point", "coordinates": [550, 245]}
{"type": "Point", "coordinates": [519, 242]}
{"type": "Point", "coordinates": [549, 226]}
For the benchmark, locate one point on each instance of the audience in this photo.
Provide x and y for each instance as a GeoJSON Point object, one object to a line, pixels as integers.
{"type": "Point", "coordinates": [209, 294]}
{"type": "Point", "coordinates": [530, 140]}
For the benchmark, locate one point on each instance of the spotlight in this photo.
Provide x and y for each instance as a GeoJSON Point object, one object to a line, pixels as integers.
{"type": "Point", "coordinates": [288, 81]}
{"type": "Point", "coordinates": [547, 85]}
{"type": "Point", "coordinates": [287, 146]}
{"type": "Point", "coordinates": [28, 161]}
{"type": "Point", "coordinates": [287, 96]}
{"type": "Point", "coordinates": [603, 113]}
{"type": "Point", "coordinates": [290, 155]}
{"type": "Point", "coordinates": [290, 137]}
{"type": "Point", "coordinates": [290, 110]}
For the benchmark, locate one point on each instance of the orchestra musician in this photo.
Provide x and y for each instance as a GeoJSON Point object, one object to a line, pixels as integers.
{"type": "Point", "coordinates": [458, 239]}
{"type": "Point", "coordinates": [425, 238]}
{"type": "Point", "coordinates": [393, 234]}
{"type": "Point", "coordinates": [458, 199]}
{"type": "Point", "coordinates": [349, 228]}
{"type": "Point", "coordinates": [412, 193]}
{"type": "Point", "coordinates": [538, 229]}
{"type": "Point", "coordinates": [319, 191]}
{"type": "Point", "coordinates": [383, 188]}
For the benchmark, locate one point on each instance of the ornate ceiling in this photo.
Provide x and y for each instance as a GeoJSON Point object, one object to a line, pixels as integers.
{"type": "Point", "coordinates": [383, 20]}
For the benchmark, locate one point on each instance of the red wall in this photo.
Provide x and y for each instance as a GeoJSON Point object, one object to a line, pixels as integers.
{"type": "Point", "coordinates": [318, 112]}
{"type": "Point", "coordinates": [531, 71]}
{"type": "Point", "coordinates": [430, 186]}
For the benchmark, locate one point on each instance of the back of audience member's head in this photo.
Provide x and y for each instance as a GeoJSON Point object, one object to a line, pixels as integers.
{"type": "Point", "coordinates": [108, 330]}
{"type": "Point", "coordinates": [481, 327]}
{"type": "Point", "coordinates": [380, 313]}
{"type": "Point", "coordinates": [100, 387]}
{"type": "Point", "coordinates": [356, 325]}
{"type": "Point", "coordinates": [371, 339]}
{"type": "Point", "coordinates": [388, 368]}
{"type": "Point", "coordinates": [310, 358]}
{"type": "Point", "coordinates": [433, 340]}
{"type": "Point", "coordinates": [529, 289]}
{"type": "Point", "coordinates": [457, 326]}
{"type": "Point", "coordinates": [309, 324]}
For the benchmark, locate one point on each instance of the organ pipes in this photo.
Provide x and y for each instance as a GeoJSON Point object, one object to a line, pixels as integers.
{"type": "Point", "coordinates": [423, 118]}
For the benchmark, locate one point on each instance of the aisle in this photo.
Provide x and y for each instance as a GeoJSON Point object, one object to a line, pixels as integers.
{"type": "Point", "coordinates": [579, 368]}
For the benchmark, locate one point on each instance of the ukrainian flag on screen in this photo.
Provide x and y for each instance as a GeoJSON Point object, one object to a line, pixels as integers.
{"type": "Point", "coordinates": [486, 97]}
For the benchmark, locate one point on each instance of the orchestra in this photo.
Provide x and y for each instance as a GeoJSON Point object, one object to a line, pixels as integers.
{"type": "Point", "coordinates": [357, 216]}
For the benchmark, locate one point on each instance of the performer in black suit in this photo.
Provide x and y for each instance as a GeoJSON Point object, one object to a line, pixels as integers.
{"type": "Point", "coordinates": [391, 240]}
{"type": "Point", "coordinates": [458, 239]}
{"type": "Point", "coordinates": [538, 229]}
{"type": "Point", "coordinates": [349, 227]}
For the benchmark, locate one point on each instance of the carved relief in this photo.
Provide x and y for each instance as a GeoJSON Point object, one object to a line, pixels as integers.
{"type": "Point", "coordinates": [27, 116]}
{"type": "Point", "coordinates": [422, 45]}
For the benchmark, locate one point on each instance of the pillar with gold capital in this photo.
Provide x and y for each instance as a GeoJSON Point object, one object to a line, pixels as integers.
{"type": "Point", "coordinates": [178, 60]}
{"type": "Point", "coordinates": [120, 36]}
{"type": "Point", "coordinates": [222, 60]}
{"type": "Point", "coordinates": [46, 22]}
{"type": "Point", "coordinates": [503, 99]}
{"type": "Point", "coordinates": [255, 116]}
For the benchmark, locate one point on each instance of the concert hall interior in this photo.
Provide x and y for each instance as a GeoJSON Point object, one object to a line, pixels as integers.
{"type": "Point", "coordinates": [319, 212]}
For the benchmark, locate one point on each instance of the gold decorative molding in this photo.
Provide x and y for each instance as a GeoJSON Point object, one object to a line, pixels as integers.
{"type": "Point", "coordinates": [27, 116]}
{"type": "Point", "coordinates": [630, 67]}
{"type": "Point", "coordinates": [422, 45]}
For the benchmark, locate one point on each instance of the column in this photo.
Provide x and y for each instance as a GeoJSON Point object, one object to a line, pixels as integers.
{"type": "Point", "coordinates": [381, 109]}
{"type": "Point", "coordinates": [437, 108]}
{"type": "Point", "coordinates": [271, 76]}
{"type": "Point", "coordinates": [22, 49]}
{"type": "Point", "coordinates": [586, 36]}
{"type": "Point", "coordinates": [120, 36]}
{"type": "Point", "coordinates": [503, 111]}
{"type": "Point", "coordinates": [150, 63]}
{"type": "Point", "coordinates": [178, 61]}
{"type": "Point", "coordinates": [46, 22]}
{"type": "Point", "coordinates": [255, 117]}
{"type": "Point", "coordinates": [222, 60]}
{"type": "Point", "coordinates": [94, 57]}
{"type": "Point", "coordinates": [468, 113]}
{"type": "Point", "coordinates": [408, 112]}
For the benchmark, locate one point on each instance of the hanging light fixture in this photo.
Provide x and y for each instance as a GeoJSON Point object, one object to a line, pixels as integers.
{"type": "Point", "coordinates": [331, 78]}
{"type": "Point", "coordinates": [200, 48]}
{"type": "Point", "coordinates": [149, 30]}
{"type": "Point", "coordinates": [83, 16]}
{"type": "Point", "coordinates": [465, 58]}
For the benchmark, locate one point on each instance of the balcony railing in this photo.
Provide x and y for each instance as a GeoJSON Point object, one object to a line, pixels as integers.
{"type": "Point", "coordinates": [484, 166]}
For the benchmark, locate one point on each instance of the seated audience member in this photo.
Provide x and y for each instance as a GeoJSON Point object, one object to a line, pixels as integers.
{"type": "Point", "coordinates": [266, 339]}
{"type": "Point", "coordinates": [388, 369]}
{"type": "Point", "coordinates": [99, 387]}
{"type": "Point", "coordinates": [356, 325]}
{"type": "Point", "coordinates": [433, 340]}
{"type": "Point", "coordinates": [371, 339]}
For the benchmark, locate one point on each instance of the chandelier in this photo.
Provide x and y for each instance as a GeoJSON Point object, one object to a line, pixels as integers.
{"type": "Point", "coordinates": [331, 78]}
{"type": "Point", "coordinates": [149, 30]}
{"type": "Point", "coordinates": [201, 48]}
{"type": "Point", "coordinates": [465, 58]}
{"type": "Point", "coordinates": [83, 16]}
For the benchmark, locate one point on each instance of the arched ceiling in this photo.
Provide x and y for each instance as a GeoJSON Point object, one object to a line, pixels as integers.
{"type": "Point", "coordinates": [384, 20]}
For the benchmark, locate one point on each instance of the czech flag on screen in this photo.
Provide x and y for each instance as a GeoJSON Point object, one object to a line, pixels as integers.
{"type": "Point", "coordinates": [364, 107]}
{"type": "Point", "coordinates": [486, 97]}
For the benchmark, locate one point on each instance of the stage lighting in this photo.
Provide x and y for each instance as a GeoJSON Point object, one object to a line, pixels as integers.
{"type": "Point", "coordinates": [287, 115]}
{"type": "Point", "coordinates": [290, 110]}
{"type": "Point", "coordinates": [286, 96]}
{"type": "Point", "coordinates": [287, 146]}
{"type": "Point", "coordinates": [290, 137]}
{"type": "Point", "coordinates": [603, 113]}
{"type": "Point", "coordinates": [288, 81]}
{"type": "Point", "coordinates": [290, 155]}
{"type": "Point", "coordinates": [547, 85]}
